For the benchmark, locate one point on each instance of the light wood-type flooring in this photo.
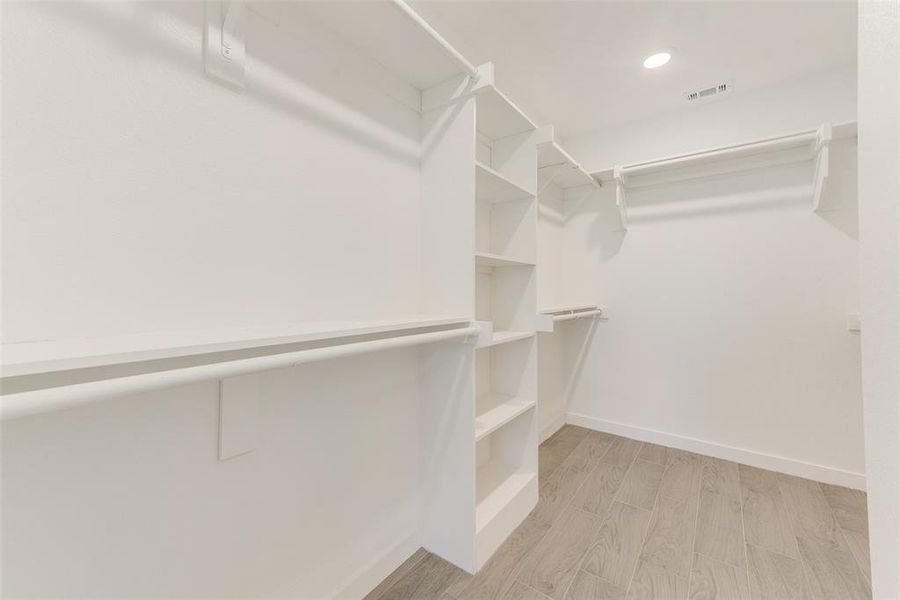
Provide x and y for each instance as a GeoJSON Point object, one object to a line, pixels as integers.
{"type": "Point", "coordinates": [618, 518]}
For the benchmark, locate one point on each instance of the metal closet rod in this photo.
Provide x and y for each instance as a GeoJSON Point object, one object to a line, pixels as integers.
{"type": "Point", "coordinates": [69, 396]}
{"type": "Point", "coordinates": [448, 48]}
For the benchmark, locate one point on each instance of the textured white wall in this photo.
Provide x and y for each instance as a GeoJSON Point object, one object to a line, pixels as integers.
{"type": "Point", "coordinates": [879, 220]}
{"type": "Point", "coordinates": [140, 196]}
{"type": "Point", "coordinates": [728, 297]}
{"type": "Point", "coordinates": [792, 106]}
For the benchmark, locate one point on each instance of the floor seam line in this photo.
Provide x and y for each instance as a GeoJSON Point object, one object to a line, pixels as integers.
{"type": "Point", "coordinates": [647, 530]}
{"type": "Point", "coordinates": [696, 526]}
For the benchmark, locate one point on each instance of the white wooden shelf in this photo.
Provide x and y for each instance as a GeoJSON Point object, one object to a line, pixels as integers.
{"type": "Point", "coordinates": [557, 164]}
{"type": "Point", "coordinates": [497, 488]}
{"type": "Point", "coordinates": [487, 259]}
{"type": "Point", "coordinates": [506, 408]}
{"type": "Point", "coordinates": [492, 186]}
{"type": "Point", "coordinates": [29, 358]}
{"type": "Point", "coordinates": [497, 116]}
{"type": "Point", "coordinates": [504, 337]}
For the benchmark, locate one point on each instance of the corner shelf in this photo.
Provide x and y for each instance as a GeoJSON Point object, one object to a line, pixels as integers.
{"type": "Point", "coordinates": [559, 166]}
{"type": "Point", "coordinates": [505, 410]}
{"type": "Point", "coordinates": [498, 116]}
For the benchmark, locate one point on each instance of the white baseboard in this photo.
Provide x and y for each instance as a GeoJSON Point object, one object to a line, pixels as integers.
{"type": "Point", "coordinates": [367, 578]}
{"type": "Point", "coordinates": [553, 427]}
{"type": "Point", "coordinates": [740, 455]}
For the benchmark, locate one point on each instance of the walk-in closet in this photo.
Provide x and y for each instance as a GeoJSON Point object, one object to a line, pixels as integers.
{"type": "Point", "coordinates": [450, 300]}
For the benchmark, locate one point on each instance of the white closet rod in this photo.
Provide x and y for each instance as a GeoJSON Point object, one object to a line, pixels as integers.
{"type": "Point", "coordinates": [448, 48]}
{"type": "Point", "coordinates": [59, 398]}
{"type": "Point", "coordinates": [578, 315]}
{"type": "Point", "coordinates": [763, 145]}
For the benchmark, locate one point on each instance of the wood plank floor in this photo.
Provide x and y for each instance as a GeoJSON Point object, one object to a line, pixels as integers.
{"type": "Point", "coordinates": [621, 519]}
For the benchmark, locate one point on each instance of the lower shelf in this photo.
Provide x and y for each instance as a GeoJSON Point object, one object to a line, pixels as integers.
{"type": "Point", "coordinates": [506, 408]}
{"type": "Point", "coordinates": [504, 500]}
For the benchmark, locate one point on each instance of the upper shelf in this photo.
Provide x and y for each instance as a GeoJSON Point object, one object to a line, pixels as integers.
{"type": "Point", "coordinates": [407, 50]}
{"type": "Point", "coordinates": [558, 165]}
{"type": "Point", "coordinates": [496, 116]}
{"type": "Point", "coordinates": [492, 186]}
{"type": "Point", "coordinates": [29, 358]}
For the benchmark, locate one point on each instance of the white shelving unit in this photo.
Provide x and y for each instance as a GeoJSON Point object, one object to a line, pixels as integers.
{"type": "Point", "coordinates": [480, 241]}
{"type": "Point", "coordinates": [505, 288]}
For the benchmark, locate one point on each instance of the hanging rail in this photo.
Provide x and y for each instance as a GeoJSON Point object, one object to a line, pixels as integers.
{"type": "Point", "coordinates": [21, 404]}
{"type": "Point", "coordinates": [448, 48]}
{"type": "Point", "coordinates": [721, 160]}
{"type": "Point", "coordinates": [814, 138]}
{"type": "Point", "coordinates": [585, 314]}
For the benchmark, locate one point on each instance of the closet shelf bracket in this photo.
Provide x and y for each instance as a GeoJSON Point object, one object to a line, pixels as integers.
{"type": "Point", "coordinates": [224, 51]}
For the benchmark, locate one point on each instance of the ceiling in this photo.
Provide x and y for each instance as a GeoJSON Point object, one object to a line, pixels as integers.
{"type": "Point", "coordinates": [578, 65]}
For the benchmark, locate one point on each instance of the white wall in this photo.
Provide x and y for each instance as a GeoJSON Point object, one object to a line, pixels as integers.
{"type": "Point", "coordinates": [792, 106]}
{"type": "Point", "coordinates": [879, 194]}
{"type": "Point", "coordinates": [141, 196]}
{"type": "Point", "coordinates": [728, 297]}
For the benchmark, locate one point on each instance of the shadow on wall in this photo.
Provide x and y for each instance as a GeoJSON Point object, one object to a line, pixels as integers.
{"type": "Point", "coordinates": [578, 341]}
{"type": "Point", "coordinates": [603, 237]}
{"type": "Point", "coordinates": [301, 70]}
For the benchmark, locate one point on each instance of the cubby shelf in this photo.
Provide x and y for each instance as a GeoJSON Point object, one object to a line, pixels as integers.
{"type": "Point", "coordinates": [492, 186]}
{"type": "Point", "coordinates": [487, 259]}
{"type": "Point", "coordinates": [506, 408]}
{"type": "Point", "coordinates": [484, 228]}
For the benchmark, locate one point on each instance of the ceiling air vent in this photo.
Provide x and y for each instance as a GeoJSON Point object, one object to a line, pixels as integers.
{"type": "Point", "coordinates": [709, 92]}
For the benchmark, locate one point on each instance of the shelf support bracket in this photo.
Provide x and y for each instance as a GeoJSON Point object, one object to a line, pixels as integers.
{"type": "Point", "coordinates": [619, 178]}
{"type": "Point", "coordinates": [224, 48]}
{"type": "Point", "coordinates": [556, 171]}
{"type": "Point", "coordinates": [823, 159]}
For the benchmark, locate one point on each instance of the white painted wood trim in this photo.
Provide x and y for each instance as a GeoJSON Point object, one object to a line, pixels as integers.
{"type": "Point", "coordinates": [367, 578]}
{"type": "Point", "coordinates": [752, 458]}
{"type": "Point", "coordinates": [553, 427]}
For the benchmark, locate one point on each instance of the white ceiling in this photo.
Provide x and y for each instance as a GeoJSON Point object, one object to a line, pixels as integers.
{"type": "Point", "coordinates": [577, 65]}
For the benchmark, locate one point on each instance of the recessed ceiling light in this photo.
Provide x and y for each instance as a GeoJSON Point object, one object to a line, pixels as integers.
{"type": "Point", "coordinates": [657, 60]}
